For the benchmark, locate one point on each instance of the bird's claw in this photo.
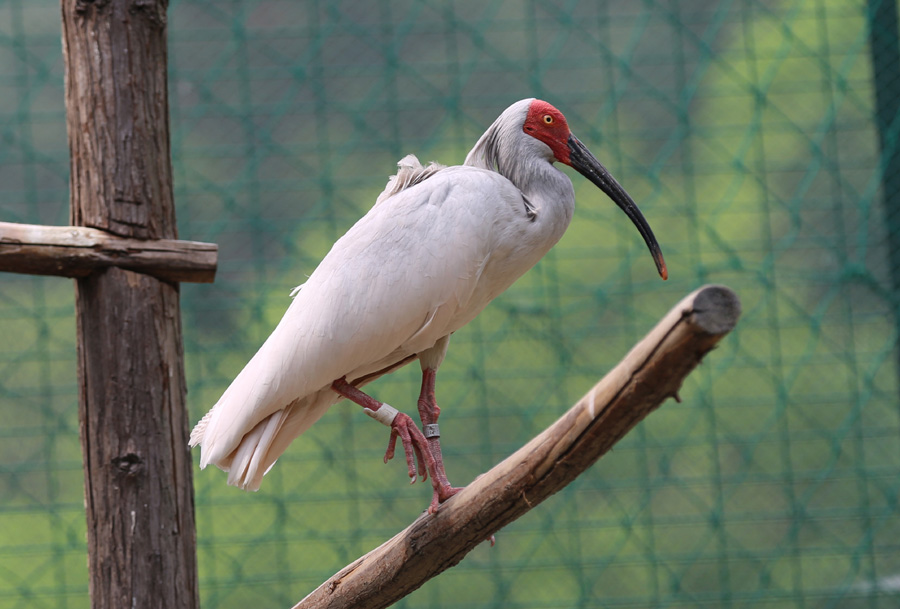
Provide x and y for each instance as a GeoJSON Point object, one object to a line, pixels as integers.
{"type": "Point", "coordinates": [441, 494]}
{"type": "Point", "coordinates": [415, 447]}
{"type": "Point", "coordinates": [418, 458]}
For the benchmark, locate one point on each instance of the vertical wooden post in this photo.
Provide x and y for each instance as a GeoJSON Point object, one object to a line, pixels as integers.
{"type": "Point", "coordinates": [134, 428]}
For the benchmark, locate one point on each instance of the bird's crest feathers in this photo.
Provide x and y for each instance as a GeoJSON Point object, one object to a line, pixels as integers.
{"type": "Point", "coordinates": [410, 173]}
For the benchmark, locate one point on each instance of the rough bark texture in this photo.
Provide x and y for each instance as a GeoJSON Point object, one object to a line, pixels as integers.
{"type": "Point", "coordinates": [134, 428]}
{"type": "Point", "coordinates": [118, 116]}
{"type": "Point", "coordinates": [77, 251]}
{"type": "Point", "coordinates": [651, 372]}
{"type": "Point", "coordinates": [138, 487]}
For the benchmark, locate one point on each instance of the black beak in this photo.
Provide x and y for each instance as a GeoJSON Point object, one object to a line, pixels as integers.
{"type": "Point", "coordinates": [581, 159]}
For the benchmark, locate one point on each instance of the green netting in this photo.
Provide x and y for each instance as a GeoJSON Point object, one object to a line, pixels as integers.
{"type": "Point", "coordinates": [760, 139]}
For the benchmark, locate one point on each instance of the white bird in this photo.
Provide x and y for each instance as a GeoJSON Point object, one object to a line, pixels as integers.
{"type": "Point", "coordinates": [439, 244]}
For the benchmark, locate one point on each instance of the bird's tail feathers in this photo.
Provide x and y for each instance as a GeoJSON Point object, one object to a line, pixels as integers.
{"type": "Point", "coordinates": [244, 469]}
{"type": "Point", "coordinates": [259, 448]}
{"type": "Point", "coordinates": [200, 429]}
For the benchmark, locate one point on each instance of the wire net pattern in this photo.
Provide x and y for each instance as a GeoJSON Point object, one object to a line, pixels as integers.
{"type": "Point", "coordinates": [756, 135]}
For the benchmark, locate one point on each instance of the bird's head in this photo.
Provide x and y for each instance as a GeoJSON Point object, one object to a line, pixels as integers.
{"type": "Point", "coordinates": [548, 125]}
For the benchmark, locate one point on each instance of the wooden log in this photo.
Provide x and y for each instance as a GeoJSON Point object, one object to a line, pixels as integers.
{"type": "Point", "coordinates": [651, 372]}
{"type": "Point", "coordinates": [134, 427]}
{"type": "Point", "coordinates": [139, 497]}
{"type": "Point", "coordinates": [78, 251]}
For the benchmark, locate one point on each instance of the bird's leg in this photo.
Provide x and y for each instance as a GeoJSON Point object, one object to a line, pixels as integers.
{"type": "Point", "coordinates": [429, 412]}
{"type": "Point", "coordinates": [402, 426]}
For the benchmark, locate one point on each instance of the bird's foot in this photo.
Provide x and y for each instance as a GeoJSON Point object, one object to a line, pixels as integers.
{"type": "Point", "coordinates": [418, 453]}
{"type": "Point", "coordinates": [423, 455]}
{"type": "Point", "coordinates": [441, 494]}
{"type": "Point", "coordinates": [415, 446]}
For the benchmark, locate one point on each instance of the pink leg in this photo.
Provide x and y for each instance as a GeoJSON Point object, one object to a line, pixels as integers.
{"type": "Point", "coordinates": [429, 413]}
{"type": "Point", "coordinates": [414, 444]}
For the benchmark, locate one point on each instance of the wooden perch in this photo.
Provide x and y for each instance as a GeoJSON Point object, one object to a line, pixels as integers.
{"type": "Point", "coordinates": [650, 373]}
{"type": "Point", "coordinates": [77, 251]}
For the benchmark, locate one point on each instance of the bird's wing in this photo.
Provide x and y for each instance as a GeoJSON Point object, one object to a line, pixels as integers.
{"type": "Point", "coordinates": [404, 276]}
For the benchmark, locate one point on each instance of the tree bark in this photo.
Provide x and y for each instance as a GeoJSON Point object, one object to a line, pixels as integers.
{"type": "Point", "coordinates": [138, 486]}
{"type": "Point", "coordinates": [117, 114]}
{"type": "Point", "coordinates": [134, 428]}
{"type": "Point", "coordinates": [651, 372]}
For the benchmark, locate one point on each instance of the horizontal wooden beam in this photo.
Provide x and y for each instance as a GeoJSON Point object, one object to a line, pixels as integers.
{"type": "Point", "coordinates": [651, 372]}
{"type": "Point", "coordinates": [78, 251]}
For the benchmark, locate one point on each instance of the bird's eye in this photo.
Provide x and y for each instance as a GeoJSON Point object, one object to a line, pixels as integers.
{"type": "Point", "coordinates": [548, 119]}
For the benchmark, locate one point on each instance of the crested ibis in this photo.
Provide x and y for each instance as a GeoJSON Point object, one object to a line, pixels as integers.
{"type": "Point", "coordinates": [439, 244]}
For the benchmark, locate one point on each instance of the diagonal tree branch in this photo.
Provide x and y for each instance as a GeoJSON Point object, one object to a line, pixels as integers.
{"type": "Point", "coordinates": [650, 373]}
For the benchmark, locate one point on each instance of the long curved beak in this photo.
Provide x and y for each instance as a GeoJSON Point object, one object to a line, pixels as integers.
{"type": "Point", "coordinates": [581, 159]}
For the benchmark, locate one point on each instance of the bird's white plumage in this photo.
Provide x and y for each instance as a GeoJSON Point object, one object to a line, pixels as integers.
{"type": "Point", "coordinates": [438, 246]}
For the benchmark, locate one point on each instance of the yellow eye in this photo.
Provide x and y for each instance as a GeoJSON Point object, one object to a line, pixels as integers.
{"type": "Point", "coordinates": [548, 119]}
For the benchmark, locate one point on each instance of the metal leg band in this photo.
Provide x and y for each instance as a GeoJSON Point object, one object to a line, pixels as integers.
{"type": "Point", "coordinates": [432, 430]}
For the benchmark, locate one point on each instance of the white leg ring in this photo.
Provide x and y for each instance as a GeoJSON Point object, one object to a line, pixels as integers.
{"type": "Point", "coordinates": [385, 415]}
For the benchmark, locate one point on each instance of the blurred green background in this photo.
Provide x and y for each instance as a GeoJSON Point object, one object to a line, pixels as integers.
{"type": "Point", "coordinates": [759, 138]}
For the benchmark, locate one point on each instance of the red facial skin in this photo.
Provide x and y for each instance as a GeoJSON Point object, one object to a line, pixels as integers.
{"type": "Point", "coordinates": [547, 124]}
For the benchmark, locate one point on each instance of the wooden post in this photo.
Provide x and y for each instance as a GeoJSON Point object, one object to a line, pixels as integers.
{"type": "Point", "coordinates": [134, 428]}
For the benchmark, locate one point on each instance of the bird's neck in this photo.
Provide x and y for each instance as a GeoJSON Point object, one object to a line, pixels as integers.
{"type": "Point", "coordinates": [505, 149]}
{"type": "Point", "coordinates": [549, 191]}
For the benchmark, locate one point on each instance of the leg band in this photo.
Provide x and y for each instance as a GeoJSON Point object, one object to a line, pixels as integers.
{"type": "Point", "coordinates": [385, 414]}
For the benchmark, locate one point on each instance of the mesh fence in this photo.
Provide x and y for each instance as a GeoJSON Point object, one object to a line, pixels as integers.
{"type": "Point", "coordinates": [759, 138]}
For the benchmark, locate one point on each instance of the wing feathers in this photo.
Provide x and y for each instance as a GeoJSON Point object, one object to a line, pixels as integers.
{"type": "Point", "coordinates": [402, 278]}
